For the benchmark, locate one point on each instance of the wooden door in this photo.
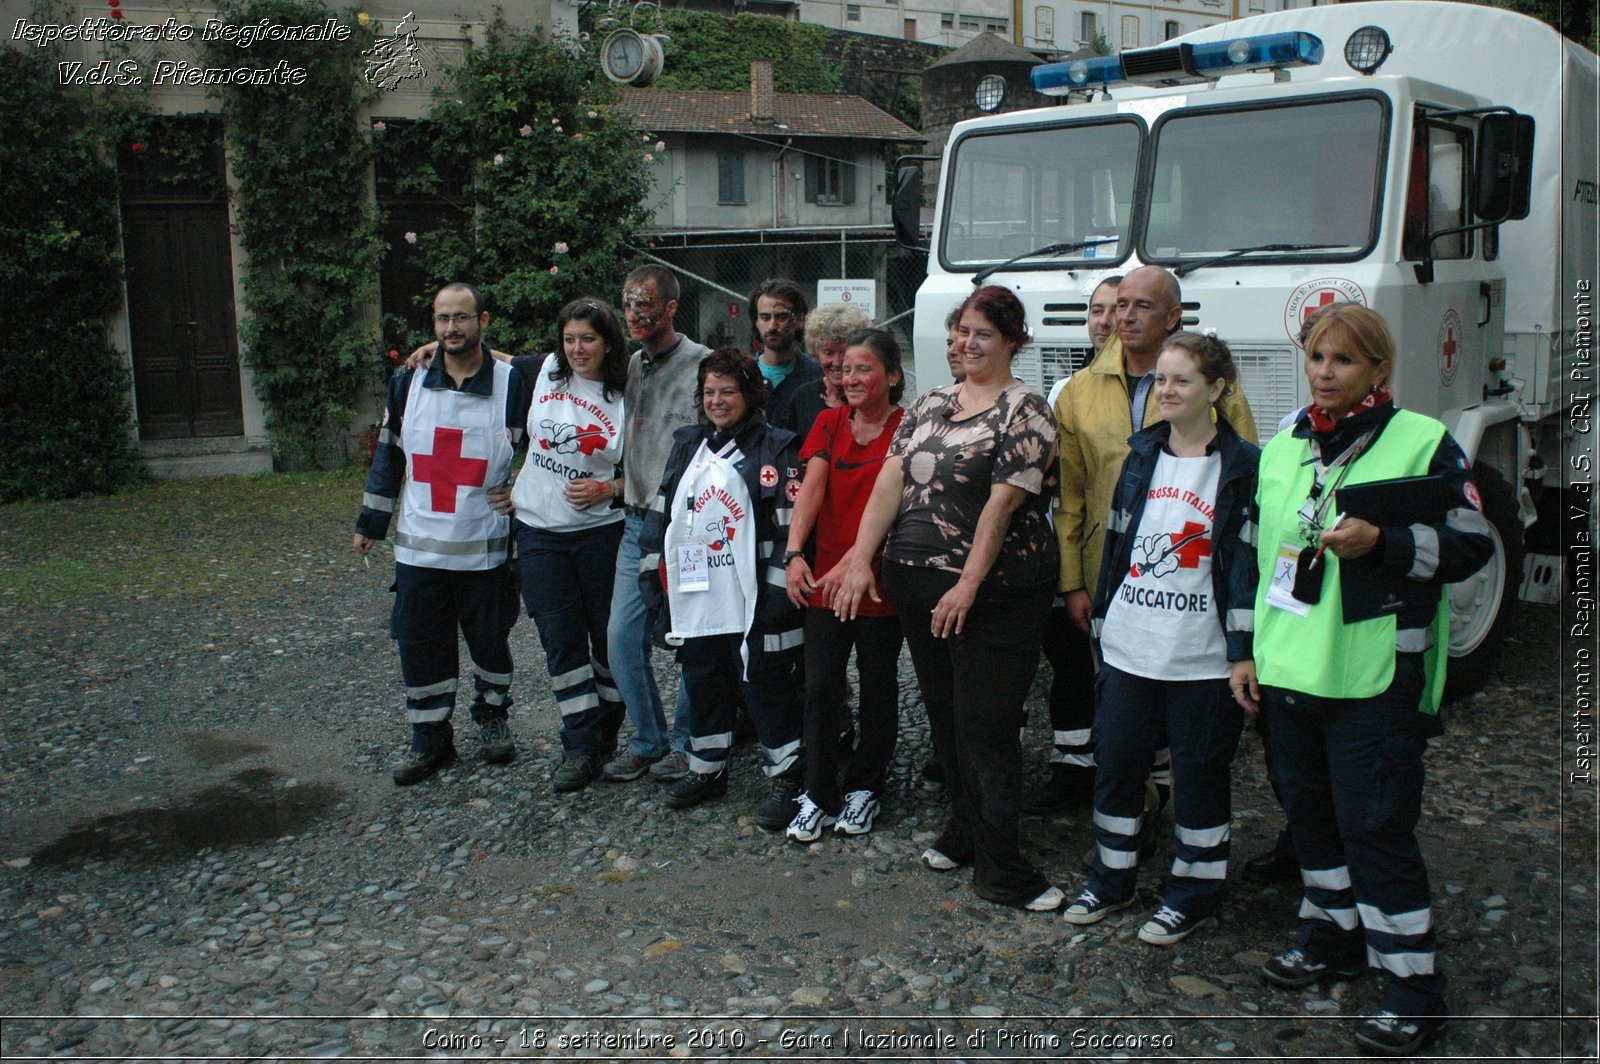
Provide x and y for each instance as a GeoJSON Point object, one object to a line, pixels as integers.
{"type": "Point", "coordinates": [185, 344]}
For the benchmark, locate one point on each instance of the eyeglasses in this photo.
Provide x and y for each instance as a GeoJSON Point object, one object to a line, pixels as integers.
{"type": "Point", "coordinates": [453, 319]}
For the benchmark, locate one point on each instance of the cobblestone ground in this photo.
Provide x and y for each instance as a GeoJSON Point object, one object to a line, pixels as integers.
{"type": "Point", "coordinates": [204, 858]}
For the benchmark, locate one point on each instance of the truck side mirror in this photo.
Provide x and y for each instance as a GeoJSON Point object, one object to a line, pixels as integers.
{"type": "Point", "coordinates": [1503, 186]}
{"type": "Point", "coordinates": [905, 207]}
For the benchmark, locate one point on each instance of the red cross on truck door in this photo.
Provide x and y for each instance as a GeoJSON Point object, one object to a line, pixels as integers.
{"type": "Point", "coordinates": [446, 470]}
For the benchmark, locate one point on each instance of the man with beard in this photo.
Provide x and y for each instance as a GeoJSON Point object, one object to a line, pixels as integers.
{"type": "Point", "coordinates": [449, 433]}
{"type": "Point", "coordinates": [662, 396]}
{"type": "Point", "coordinates": [778, 313]}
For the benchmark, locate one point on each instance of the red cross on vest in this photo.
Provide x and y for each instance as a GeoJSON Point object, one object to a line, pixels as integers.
{"type": "Point", "coordinates": [1190, 545]}
{"type": "Point", "coordinates": [445, 470]}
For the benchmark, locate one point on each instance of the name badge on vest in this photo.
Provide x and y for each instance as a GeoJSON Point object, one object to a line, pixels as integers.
{"type": "Point", "coordinates": [1287, 579]}
{"type": "Point", "coordinates": [694, 567]}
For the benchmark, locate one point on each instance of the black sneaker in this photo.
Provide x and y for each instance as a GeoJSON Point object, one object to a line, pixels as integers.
{"type": "Point", "coordinates": [778, 807]}
{"type": "Point", "coordinates": [1090, 908]}
{"type": "Point", "coordinates": [494, 738]}
{"type": "Point", "coordinates": [573, 774]}
{"type": "Point", "coordinates": [698, 787]}
{"type": "Point", "coordinates": [1294, 970]}
{"type": "Point", "coordinates": [418, 767]}
{"type": "Point", "coordinates": [1388, 1035]}
{"type": "Point", "coordinates": [1169, 926]}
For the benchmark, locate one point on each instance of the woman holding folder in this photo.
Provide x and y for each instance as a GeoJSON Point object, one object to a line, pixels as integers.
{"type": "Point", "coordinates": [1351, 637]}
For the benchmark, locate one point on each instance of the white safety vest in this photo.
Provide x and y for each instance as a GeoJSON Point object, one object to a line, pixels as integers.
{"type": "Point", "coordinates": [457, 447]}
{"type": "Point", "coordinates": [711, 529]}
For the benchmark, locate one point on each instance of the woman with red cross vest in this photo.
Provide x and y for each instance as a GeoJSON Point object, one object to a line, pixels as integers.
{"type": "Point", "coordinates": [568, 526]}
{"type": "Point", "coordinates": [1171, 613]}
{"type": "Point", "coordinates": [711, 552]}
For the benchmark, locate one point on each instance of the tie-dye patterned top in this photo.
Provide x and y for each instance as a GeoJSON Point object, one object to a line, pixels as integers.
{"type": "Point", "coordinates": [948, 465]}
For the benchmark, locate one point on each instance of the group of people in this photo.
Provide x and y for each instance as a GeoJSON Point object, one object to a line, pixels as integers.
{"type": "Point", "coordinates": [763, 516]}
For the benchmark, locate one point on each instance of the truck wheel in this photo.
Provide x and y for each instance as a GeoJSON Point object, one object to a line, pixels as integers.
{"type": "Point", "coordinates": [1481, 605]}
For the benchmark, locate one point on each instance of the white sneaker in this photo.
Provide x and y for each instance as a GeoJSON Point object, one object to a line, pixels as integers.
{"type": "Point", "coordinates": [809, 823]}
{"type": "Point", "coordinates": [1048, 902]}
{"type": "Point", "coordinates": [860, 810]}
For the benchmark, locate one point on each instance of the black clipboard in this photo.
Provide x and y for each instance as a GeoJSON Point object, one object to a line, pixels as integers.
{"type": "Point", "coordinates": [1366, 589]}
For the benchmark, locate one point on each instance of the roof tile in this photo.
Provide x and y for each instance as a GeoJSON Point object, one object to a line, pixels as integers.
{"type": "Point", "coordinates": [683, 111]}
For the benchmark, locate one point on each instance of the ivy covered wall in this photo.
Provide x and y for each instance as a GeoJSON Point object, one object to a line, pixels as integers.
{"type": "Point", "coordinates": [64, 408]}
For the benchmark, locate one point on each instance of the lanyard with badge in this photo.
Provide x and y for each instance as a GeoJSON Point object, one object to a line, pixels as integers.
{"type": "Point", "coordinates": [694, 559]}
{"type": "Point", "coordinates": [1297, 573]}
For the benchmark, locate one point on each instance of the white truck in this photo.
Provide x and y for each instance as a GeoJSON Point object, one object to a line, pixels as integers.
{"type": "Point", "coordinates": [1434, 161]}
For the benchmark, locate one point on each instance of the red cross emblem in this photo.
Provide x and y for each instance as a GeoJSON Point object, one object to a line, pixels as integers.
{"type": "Point", "coordinates": [1325, 298]}
{"type": "Point", "coordinates": [445, 469]}
{"type": "Point", "coordinates": [1449, 349]}
{"type": "Point", "coordinates": [1190, 545]}
{"type": "Point", "coordinates": [769, 476]}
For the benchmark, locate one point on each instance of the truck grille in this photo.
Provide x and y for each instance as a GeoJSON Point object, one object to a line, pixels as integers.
{"type": "Point", "coordinates": [1271, 377]}
{"type": "Point", "coordinates": [1042, 366]}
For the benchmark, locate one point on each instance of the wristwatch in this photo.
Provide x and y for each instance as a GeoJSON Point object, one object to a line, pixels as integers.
{"type": "Point", "coordinates": [791, 555]}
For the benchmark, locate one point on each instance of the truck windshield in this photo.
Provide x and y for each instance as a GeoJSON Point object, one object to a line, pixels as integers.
{"type": "Point", "coordinates": [1299, 181]}
{"type": "Point", "coordinates": [1015, 191]}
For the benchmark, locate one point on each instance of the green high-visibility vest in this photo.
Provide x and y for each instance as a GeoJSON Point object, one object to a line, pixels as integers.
{"type": "Point", "coordinates": [1319, 653]}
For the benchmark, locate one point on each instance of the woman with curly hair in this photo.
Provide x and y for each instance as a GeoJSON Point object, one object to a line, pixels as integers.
{"type": "Point", "coordinates": [711, 552]}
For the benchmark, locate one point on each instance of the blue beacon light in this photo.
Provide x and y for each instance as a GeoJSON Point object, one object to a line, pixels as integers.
{"type": "Point", "coordinates": [1174, 64]}
{"type": "Point", "coordinates": [1215, 58]}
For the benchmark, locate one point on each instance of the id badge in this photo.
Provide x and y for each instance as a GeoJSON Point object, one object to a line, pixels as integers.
{"type": "Point", "coordinates": [1285, 570]}
{"type": "Point", "coordinates": [694, 569]}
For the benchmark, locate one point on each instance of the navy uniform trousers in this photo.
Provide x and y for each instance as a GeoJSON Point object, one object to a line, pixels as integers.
{"type": "Point", "coordinates": [429, 605]}
{"type": "Point", "coordinates": [1349, 773]}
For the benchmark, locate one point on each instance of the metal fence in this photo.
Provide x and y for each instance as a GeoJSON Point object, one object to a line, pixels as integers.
{"type": "Point", "coordinates": [717, 272]}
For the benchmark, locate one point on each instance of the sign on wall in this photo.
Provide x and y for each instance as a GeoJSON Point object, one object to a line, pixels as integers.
{"type": "Point", "coordinates": [863, 294]}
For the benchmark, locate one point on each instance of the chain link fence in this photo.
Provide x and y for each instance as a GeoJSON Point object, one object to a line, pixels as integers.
{"type": "Point", "coordinates": [717, 272]}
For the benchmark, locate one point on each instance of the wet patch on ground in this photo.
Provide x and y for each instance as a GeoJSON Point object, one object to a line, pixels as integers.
{"type": "Point", "coordinates": [253, 806]}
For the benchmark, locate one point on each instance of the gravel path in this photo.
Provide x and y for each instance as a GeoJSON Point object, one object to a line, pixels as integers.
{"type": "Point", "coordinates": [204, 857]}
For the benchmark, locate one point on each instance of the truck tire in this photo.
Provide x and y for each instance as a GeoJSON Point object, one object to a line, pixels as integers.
{"type": "Point", "coordinates": [1481, 605]}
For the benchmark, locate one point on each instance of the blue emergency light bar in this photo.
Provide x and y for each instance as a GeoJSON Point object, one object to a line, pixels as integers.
{"type": "Point", "coordinates": [1175, 64]}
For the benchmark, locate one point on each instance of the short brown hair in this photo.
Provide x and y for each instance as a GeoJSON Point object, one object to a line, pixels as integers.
{"type": "Point", "coordinates": [1211, 355]}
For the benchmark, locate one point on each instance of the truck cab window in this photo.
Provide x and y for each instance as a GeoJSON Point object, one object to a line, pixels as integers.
{"type": "Point", "coordinates": [1436, 193]}
{"type": "Point", "coordinates": [1017, 190]}
{"type": "Point", "coordinates": [1305, 174]}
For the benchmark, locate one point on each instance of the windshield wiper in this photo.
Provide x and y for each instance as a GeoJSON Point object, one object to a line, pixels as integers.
{"type": "Point", "coordinates": [1190, 267]}
{"type": "Point", "coordinates": [1049, 249]}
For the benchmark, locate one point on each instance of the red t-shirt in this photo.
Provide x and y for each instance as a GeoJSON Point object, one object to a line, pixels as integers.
{"type": "Point", "coordinates": [852, 470]}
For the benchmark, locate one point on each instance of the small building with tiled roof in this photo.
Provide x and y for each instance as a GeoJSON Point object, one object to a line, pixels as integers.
{"type": "Point", "coordinates": [763, 160]}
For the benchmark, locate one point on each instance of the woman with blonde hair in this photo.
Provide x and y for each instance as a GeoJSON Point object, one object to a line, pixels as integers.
{"type": "Point", "coordinates": [1351, 639]}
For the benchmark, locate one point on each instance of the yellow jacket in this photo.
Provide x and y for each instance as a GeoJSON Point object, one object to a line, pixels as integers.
{"type": "Point", "coordinates": [1092, 415]}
